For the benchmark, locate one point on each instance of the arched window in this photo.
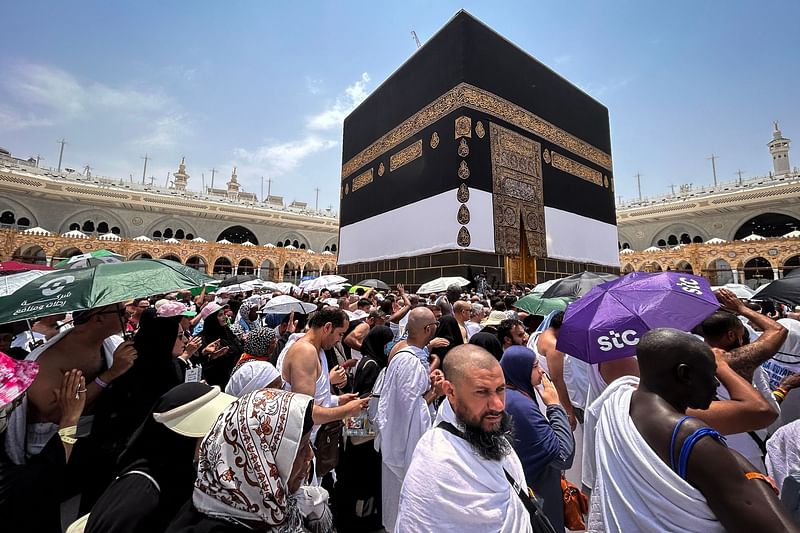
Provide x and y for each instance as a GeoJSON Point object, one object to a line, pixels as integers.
{"type": "Point", "coordinates": [102, 227]}
{"type": "Point", "coordinates": [625, 246]}
{"type": "Point", "coordinates": [303, 246]}
{"type": "Point", "coordinates": [279, 244]}
{"type": "Point", "coordinates": [768, 225]}
{"type": "Point", "coordinates": [685, 238]}
{"type": "Point", "coordinates": [697, 239]}
{"type": "Point", "coordinates": [672, 240]}
{"type": "Point", "coordinates": [74, 227]}
{"type": "Point", "coordinates": [198, 263]}
{"type": "Point", "coordinates": [245, 267]}
{"type": "Point", "coordinates": [7, 218]}
{"type": "Point", "coordinates": [157, 234]}
{"type": "Point", "coordinates": [141, 255]}
{"type": "Point", "coordinates": [172, 257]}
{"type": "Point", "coordinates": [287, 242]}
{"type": "Point", "coordinates": [296, 244]}
{"type": "Point", "coordinates": [758, 269]}
{"type": "Point", "coordinates": [168, 233]}
{"type": "Point", "coordinates": [223, 267]}
{"type": "Point", "coordinates": [179, 234]}
{"type": "Point", "coordinates": [327, 249]}
{"type": "Point", "coordinates": [661, 242]}
{"type": "Point", "coordinates": [333, 247]}
{"type": "Point", "coordinates": [24, 222]}
{"type": "Point", "coordinates": [115, 230]}
{"type": "Point", "coordinates": [189, 236]}
{"type": "Point", "coordinates": [88, 227]}
{"type": "Point", "coordinates": [238, 234]}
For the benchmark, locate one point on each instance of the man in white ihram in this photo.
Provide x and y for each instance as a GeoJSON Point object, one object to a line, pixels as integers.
{"type": "Point", "coordinates": [458, 483]}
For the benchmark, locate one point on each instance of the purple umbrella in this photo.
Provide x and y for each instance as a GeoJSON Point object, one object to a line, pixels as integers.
{"type": "Point", "coordinates": [608, 322]}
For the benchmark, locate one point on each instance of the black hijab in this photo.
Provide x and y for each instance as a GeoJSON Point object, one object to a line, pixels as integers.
{"type": "Point", "coordinates": [374, 344]}
{"type": "Point", "coordinates": [488, 342]}
{"type": "Point", "coordinates": [448, 329]}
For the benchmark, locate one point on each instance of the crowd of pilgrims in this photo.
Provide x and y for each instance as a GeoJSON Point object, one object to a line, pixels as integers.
{"type": "Point", "coordinates": [389, 411]}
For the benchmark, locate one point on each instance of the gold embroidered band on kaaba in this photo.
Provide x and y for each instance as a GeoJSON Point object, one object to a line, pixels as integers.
{"type": "Point", "coordinates": [466, 95]}
{"type": "Point", "coordinates": [365, 178]}
{"type": "Point", "coordinates": [405, 156]}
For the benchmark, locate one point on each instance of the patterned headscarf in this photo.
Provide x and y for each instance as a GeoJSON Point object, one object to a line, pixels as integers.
{"type": "Point", "coordinates": [246, 460]}
{"type": "Point", "coordinates": [259, 341]}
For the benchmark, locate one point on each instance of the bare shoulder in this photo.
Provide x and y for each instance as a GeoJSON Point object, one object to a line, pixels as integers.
{"type": "Point", "coordinates": [301, 353]}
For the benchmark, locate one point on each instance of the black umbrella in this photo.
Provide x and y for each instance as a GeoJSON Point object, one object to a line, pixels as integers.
{"type": "Point", "coordinates": [374, 284]}
{"type": "Point", "coordinates": [785, 290]}
{"type": "Point", "coordinates": [234, 280]}
{"type": "Point", "coordinates": [577, 285]}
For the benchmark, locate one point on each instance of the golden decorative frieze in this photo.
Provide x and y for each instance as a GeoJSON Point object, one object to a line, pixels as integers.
{"type": "Point", "coordinates": [363, 179]}
{"type": "Point", "coordinates": [479, 130]}
{"type": "Point", "coordinates": [466, 95]}
{"type": "Point", "coordinates": [578, 170]}
{"type": "Point", "coordinates": [463, 127]}
{"type": "Point", "coordinates": [405, 156]}
{"type": "Point", "coordinates": [434, 140]}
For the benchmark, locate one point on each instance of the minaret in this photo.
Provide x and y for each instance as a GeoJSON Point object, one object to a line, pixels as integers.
{"type": "Point", "coordinates": [181, 177]}
{"type": "Point", "coordinates": [233, 185]}
{"type": "Point", "coordinates": [779, 149]}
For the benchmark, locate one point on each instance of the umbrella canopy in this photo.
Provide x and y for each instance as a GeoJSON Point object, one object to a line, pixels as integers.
{"type": "Point", "coordinates": [534, 304]}
{"type": "Point", "coordinates": [542, 287]}
{"type": "Point", "coordinates": [577, 285]}
{"type": "Point", "coordinates": [232, 289]}
{"type": "Point", "coordinates": [286, 287]}
{"type": "Point", "coordinates": [608, 322]}
{"type": "Point", "coordinates": [441, 284]}
{"type": "Point", "coordinates": [741, 291]}
{"type": "Point", "coordinates": [13, 282]}
{"type": "Point", "coordinates": [63, 291]}
{"type": "Point", "coordinates": [785, 290]}
{"type": "Point", "coordinates": [354, 288]}
{"type": "Point", "coordinates": [322, 282]}
{"type": "Point", "coordinates": [287, 304]}
{"type": "Point", "coordinates": [235, 280]}
{"type": "Point", "coordinates": [94, 258]}
{"type": "Point", "coordinates": [374, 283]}
{"type": "Point", "coordinates": [16, 266]}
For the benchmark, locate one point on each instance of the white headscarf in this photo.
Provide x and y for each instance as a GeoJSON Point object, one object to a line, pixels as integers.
{"type": "Point", "coordinates": [251, 376]}
{"type": "Point", "coordinates": [246, 460]}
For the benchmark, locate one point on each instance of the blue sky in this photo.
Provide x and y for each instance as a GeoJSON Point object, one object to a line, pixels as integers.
{"type": "Point", "coordinates": [265, 85]}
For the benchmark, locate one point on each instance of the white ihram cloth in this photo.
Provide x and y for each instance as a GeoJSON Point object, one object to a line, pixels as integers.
{"type": "Point", "coordinates": [403, 417]}
{"type": "Point", "coordinates": [634, 489]}
{"type": "Point", "coordinates": [450, 488]}
{"type": "Point", "coordinates": [19, 431]}
{"type": "Point", "coordinates": [783, 453]}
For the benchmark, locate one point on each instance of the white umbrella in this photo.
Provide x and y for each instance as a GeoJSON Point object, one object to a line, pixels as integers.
{"type": "Point", "coordinates": [441, 284]}
{"type": "Point", "coordinates": [288, 304]}
{"type": "Point", "coordinates": [540, 288]}
{"type": "Point", "coordinates": [286, 287]}
{"type": "Point", "coordinates": [12, 282]}
{"type": "Point", "coordinates": [236, 287]}
{"type": "Point", "coordinates": [741, 291]}
{"type": "Point", "coordinates": [322, 282]}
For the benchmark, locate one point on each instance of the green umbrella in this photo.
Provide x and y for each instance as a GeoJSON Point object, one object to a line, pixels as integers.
{"type": "Point", "coordinates": [534, 304]}
{"type": "Point", "coordinates": [354, 288]}
{"type": "Point", "coordinates": [97, 257]}
{"type": "Point", "coordinates": [62, 291]}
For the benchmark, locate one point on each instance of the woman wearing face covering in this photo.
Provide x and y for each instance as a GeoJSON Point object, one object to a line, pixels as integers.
{"type": "Point", "coordinates": [448, 329]}
{"type": "Point", "coordinates": [358, 474]}
{"type": "Point", "coordinates": [221, 351]}
{"type": "Point", "coordinates": [250, 479]}
{"type": "Point", "coordinates": [157, 469]}
{"type": "Point", "coordinates": [545, 446]}
{"type": "Point", "coordinates": [122, 408]}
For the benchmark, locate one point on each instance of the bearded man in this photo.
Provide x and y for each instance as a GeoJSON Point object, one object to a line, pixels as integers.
{"type": "Point", "coordinates": [464, 475]}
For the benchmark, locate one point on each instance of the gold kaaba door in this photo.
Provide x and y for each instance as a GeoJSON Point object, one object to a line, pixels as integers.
{"type": "Point", "coordinates": [517, 198]}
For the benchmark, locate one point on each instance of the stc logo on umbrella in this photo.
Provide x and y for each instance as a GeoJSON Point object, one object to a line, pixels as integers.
{"type": "Point", "coordinates": [689, 285]}
{"type": "Point", "coordinates": [617, 340]}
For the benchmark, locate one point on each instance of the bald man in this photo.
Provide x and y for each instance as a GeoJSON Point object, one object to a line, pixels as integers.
{"type": "Point", "coordinates": [404, 412]}
{"type": "Point", "coordinates": [462, 311]}
{"type": "Point", "coordinates": [458, 480]}
{"type": "Point", "coordinates": [659, 470]}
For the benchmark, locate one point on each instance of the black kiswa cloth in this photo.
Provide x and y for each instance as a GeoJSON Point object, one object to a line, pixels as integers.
{"type": "Point", "coordinates": [156, 473]}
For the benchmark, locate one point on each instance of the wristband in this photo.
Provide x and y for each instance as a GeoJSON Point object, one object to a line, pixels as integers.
{"type": "Point", "coordinates": [779, 395]}
{"type": "Point", "coordinates": [100, 383]}
{"type": "Point", "coordinates": [68, 440]}
{"type": "Point", "coordinates": [68, 431]}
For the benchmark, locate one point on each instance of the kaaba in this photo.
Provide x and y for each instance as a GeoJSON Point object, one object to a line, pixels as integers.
{"type": "Point", "coordinates": [475, 158]}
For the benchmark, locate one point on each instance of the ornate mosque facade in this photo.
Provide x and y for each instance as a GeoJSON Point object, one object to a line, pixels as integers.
{"type": "Point", "coordinates": [740, 232]}
{"type": "Point", "coordinates": [46, 215]}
